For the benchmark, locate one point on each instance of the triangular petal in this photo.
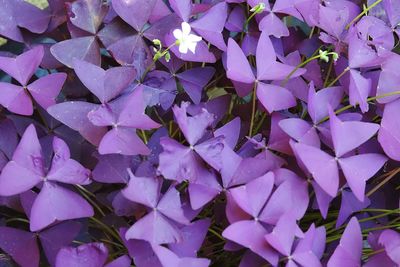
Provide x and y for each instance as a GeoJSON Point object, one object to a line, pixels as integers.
{"type": "Point", "coordinates": [358, 169]}
{"type": "Point", "coordinates": [15, 99]}
{"type": "Point", "coordinates": [389, 133]}
{"type": "Point", "coordinates": [86, 255]}
{"type": "Point", "coordinates": [170, 205]}
{"type": "Point", "coordinates": [74, 115]}
{"type": "Point", "coordinates": [254, 239]}
{"type": "Point", "coordinates": [46, 89]}
{"type": "Point", "coordinates": [143, 190]}
{"type": "Point", "coordinates": [253, 196]}
{"type": "Point", "coordinates": [135, 13]}
{"type": "Point", "coordinates": [348, 252]}
{"type": "Point", "coordinates": [58, 236]}
{"type": "Point", "coordinates": [321, 165]}
{"type": "Point", "coordinates": [192, 127]}
{"type": "Point", "coordinates": [23, 66]}
{"type": "Point", "coordinates": [122, 140]}
{"type": "Point", "coordinates": [301, 131]}
{"type": "Point", "coordinates": [238, 68]}
{"type": "Point", "coordinates": [273, 25]}
{"type": "Point", "coordinates": [133, 114]}
{"type": "Point", "coordinates": [154, 228]}
{"type": "Point", "coordinates": [183, 8]}
{"type": "Point", "coordinates": [359, 90]}
{"type": "Point", "coordinates": [348, 205]}
{"type": "Point", "coordinates": [348, 135]}
{"type": "Point", "coordinates": [87, 15]}
{"type": "Point", "coordinates": [194, 80]}
{"type": "Point", "coordinates": [318, 102]}
{"type": "Point", "coordinates": [193, 237]}
{"type": "Point", "coordinates": [211, 151]}
{"type": "Point", "coordinates": [84, 48]}
{"type": "Point", "coordinates": [211, 25]}
{"type": "Point", "coordinates": [178, 162]}
{"type": "Point", "coordinates": [282, 236]}
{"type": "Point", "coordinates": [54, 204]}
{"type": "Point", "coordinates": [275, 98]}
{"type": "Point", "coordinates": [20, 245]}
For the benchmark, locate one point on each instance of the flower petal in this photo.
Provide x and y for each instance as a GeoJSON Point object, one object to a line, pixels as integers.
{"type": "Point", "coordinates": [177, 34]}
{"type": "Point", "coordinates": [186, 29]}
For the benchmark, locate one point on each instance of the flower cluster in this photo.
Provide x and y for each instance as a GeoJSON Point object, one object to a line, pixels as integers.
{"type": "Point", "coordinates": [166, 133]}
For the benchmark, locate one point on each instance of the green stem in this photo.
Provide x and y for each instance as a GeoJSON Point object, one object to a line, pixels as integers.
{"type": "Point", "coordinates": [302, 64]}
{"type": "Point", "coordinates": [374, 252]}
{"type": "Point", "coordinates": [246, 25]}
{"type": "Point", "coordinates": [387, 179]}
{"type": "Point", "coordinates": [163, 53]}
{"type": "Point", "coordinates": [144, 136]}
{"type": "Point", "coordinates": [94, 204]}
{"type": "Point", "coordinates": [311, 32]}
{"type": "Point", "coordinates": [17, 220]}
{"type": "Point", "coordinates": [216, 234]}
{"type": "Point", "coordinates": [108, 229]}
{"type": "Point", "coordinates": [364, 220]}
{"type": "Point", "coordinates": [328, 74]}
{"type": "Point", "coordinates": [253, 109]}
{"type": "Point", "coordinates": [338, 77]}
{"type": "Point", "coordinates": [263, 117]}
{"type": "Point", "coordinates": [363, 13]}
{"type": "Point", "coordinates": [368, 100]}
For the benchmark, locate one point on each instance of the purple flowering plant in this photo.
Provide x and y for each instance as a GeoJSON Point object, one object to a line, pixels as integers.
{"type": "Point", "coordinates": [195, 133]}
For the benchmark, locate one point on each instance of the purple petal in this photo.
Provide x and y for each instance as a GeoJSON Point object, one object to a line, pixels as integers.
{"type": "Point", "coordinates": [20, 245]}
{"type": "Point", "coordinates": [143, 190]}
{"type": "Point", "coordinates": [122, 140]}
{"type": "Point", "coordinates": [275, 98]}
{"type": "Point", "coordinates": [253, 196]}
{"type": "Point", "coordinates": [178, 162]}
{"type": "Point", "coordinates": [358, 169]}
{"type": "Point", "coordinates": [273, 25]}
{"type": "Point", "coordinates": [154, 228]}
{"type": "Point", "coordinates": [183, 8]}
{"type": "Point", "coordinates": [348, 252]}
{"type": "Point", "coordinates": [321, 165]}
{"type": "Point", "coordinates": [282, 236]}
{"type": "Point", "coordinates": [54, 204]}
{"type": "Point", "coordinates": [254, 239]}
{"type": "Point", "coordinates": [15, 99]}
{"type": "Point", "coordinates": [74, 115]}
{"type": "Point", "coordinates": [211, 25]}
{"type": "Point", "coordinates": [56, 237]}
{"type": "Point", "coordinates": [238, 68]}
{"type": "Point", "coordinates": [87, 15]}
{"type": "Point", "coordinates": [135, 13]}
{"type": "Point", "coordinates": [84, 48]}
{"type": "Point", "coordinates": [46, 89]}
{"type": "Point", "coordinates": [87, 255]}
{"type": "Point", "coordinates": [23, 66]}
{"type": "Point", "coordinates": [194, 80]}
{"type": "Point", "coordinates": [193, 237]}
{"type": "Point", "coordinates": [348, 135]}
{"type": "Point", "coordinates": [170, 259]}
{"type": "Point", "coordinates": [389, 134]}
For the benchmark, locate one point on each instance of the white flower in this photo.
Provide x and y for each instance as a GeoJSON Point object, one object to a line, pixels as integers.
{"type": "Point", "coordinates": [185, 39]}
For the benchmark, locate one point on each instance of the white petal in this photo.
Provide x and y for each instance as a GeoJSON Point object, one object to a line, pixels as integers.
{"type": "Point", "coordinates": [194, 38]}
{"type": "Point", "coordinates": [177, 34]}
{"type": "Point", "coordinates": [192, 47]}
{"type": "Point", "coordinates": [186, 29]}
{"type": "Point", "coordinates": [183, 48]}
